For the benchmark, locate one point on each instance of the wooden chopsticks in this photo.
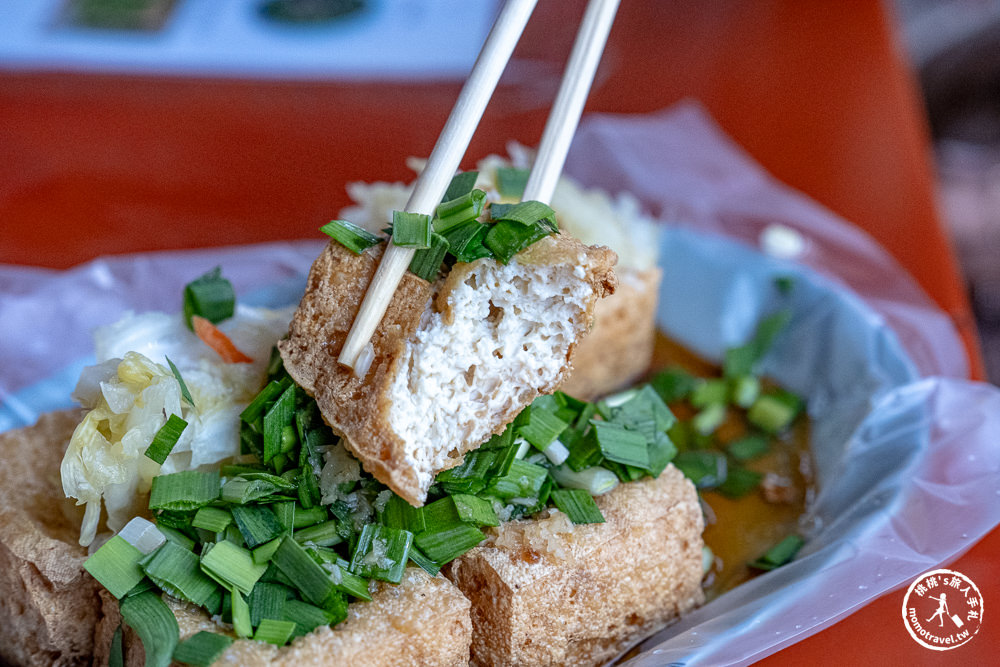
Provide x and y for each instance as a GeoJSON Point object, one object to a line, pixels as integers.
{"type": "Point", "coordinates": [454, 140]}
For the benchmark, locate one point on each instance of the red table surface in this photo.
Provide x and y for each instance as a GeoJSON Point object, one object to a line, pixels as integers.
{"type": "Point", "coordinates": [817, 92]}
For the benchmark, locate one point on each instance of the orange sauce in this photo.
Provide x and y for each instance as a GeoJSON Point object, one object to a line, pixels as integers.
{"type": "Point", "coordinates": [742, 529]}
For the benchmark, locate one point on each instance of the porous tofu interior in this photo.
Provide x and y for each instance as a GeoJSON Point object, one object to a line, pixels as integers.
{"type": "Point", "coordinates": [510, 336]}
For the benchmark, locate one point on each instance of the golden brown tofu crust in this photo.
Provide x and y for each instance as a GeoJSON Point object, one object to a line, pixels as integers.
{"type": "Point", "coordinates": [48, 603]}
{"type": "Point", "coordinates": [619, 347]}
{"type": "Point", "coordinates": [422, 622]}
{"type": "Point", "coordinates": [582, 596]}
{"type": "Point", "coordinates": [358, 409]}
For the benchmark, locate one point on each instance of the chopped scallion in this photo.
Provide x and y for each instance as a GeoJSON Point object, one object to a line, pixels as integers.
{"type": "Point", "coordinates": [774, 412]}
{"type": "Point", "coordinates": [202, 649]}
{"type": "Point", "coordinates": [507, 238]}
{"type": "Point", "coordinates": [446, 545]}
{"type": "Point", "coordinates": [411, 230]}
{"type": "Point", "coordinates": [187, 490]}
{"type": "Point", "coordinates": [349, 235]}
{"type": "Point", "coordinates": [155, 624]}
{"type": "Point", "coordinates": [306, 617]}
{"type": "Point", "coordinates": [620, 444]}
{"type": "Point", "coordinates": [739, 482]}
{"type": "Point", "coordinates": [426, 262]}
{"type": "Point", "coordinates": [461, 183]}
{"type": "Point", "coordinates": [241, 615]}
{"type": "Point", "coordinates": [176, 570]}
{"type": "Point", "coordinates": [212, 519]}
{"type": "Point", "coordinates": [578, 505]}
{"type": "Point", "coordinates": [266, 600]}
{"type": "Point", "coordinates": [511, 181]}
{"type": "Point", "coordinates": [748, 447]}
{"type": "Point", "coordinates": [781, 553]}
{"type": "Point", "coordinates": [595, 480]}
{"type": "Point", "coordinates": [185, 393]}
{"type": "Point", "coordinates": [324, 534]}
{"type": "Point", "coordinates": [116, 566]}
{"type": "Point", "coordinates": [232, 565]}
{"type": "Point", "coordinates": [274, 632]}
{"type": "Point", "coordinates": [257, 524]}
{"type": "Point", "coordinates": [381, 553]}
{"type": "Point", "coordinates": [211, 296]}
{"type": "Point", "coordinates": [459, 211]}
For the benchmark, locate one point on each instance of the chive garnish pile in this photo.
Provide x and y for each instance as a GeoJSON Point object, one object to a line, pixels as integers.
{"type": "Point", "coordinates": [464, 227]}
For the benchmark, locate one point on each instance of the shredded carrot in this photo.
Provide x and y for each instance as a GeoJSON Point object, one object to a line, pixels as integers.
{"type": "Point", "coordinates": [218, 341]}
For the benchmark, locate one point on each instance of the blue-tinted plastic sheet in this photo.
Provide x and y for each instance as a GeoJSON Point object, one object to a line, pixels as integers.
{"type": "Point", "coordinates": [906, 461]}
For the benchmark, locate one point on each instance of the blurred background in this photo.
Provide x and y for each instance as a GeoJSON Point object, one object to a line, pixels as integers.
{"type": "Point", "coordinates": [130, 125]}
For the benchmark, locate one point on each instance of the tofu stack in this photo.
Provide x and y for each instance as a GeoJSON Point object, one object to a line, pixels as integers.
{"type": "Point", "coordinates": [453, 361]}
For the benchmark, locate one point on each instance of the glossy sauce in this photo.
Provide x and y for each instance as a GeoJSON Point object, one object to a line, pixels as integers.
{"type": "Point", "coordinates": [741, 530]}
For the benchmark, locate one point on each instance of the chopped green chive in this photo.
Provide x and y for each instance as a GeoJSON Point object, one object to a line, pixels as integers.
{"type": "Point", "coordinates": [746, 389]}
{"type": "Point", "coordinates": [748, 447]}
{"type": "Point", "coordinates": [242, 625]}
{"type": "Point", "coordinates": [578, 505]}
{"type": "Point", "coordinates": [155, 624]}
{"type": "Point", "coordinates": [461, 184]}
{"type": "Point", "coordinates": [307, 517]}
{"type": "Point", "coordinates": [447, 545]}
{"type": "Point", "coordinates": [305, 574]}
{"type": "Point", "coordinates": [212, 519]}
{"type": "Point", "coordinates": [411, 230]}
{"type": "Point", "coordinates": [349, 235]}
{"type": "Point", "coordinates": [116, 566]}
{"type": "Point", "coordinates": [620, 444]}
{"type": "Point", "coordinates": [541, 428]}
{"type": "Point", "coordinates": [595, 480]}
{"type": "Point", "coordinates": [274, 632]}
{"type": "Point", "coordinates": [324, 534]}
{"type": "Point", "coordinates": [526, 214]}
{"type": "Point", "coordinates": [466, 241]}
{"type": "Point", "coordinates": [266, 600]}
{"type": "Point", "coordinates": [211, 296]}
{"type": "Point", "coordinates": [187, 490]}
{"type": "Point", "coordinates": [241, 491]}
{"type": "Point", "coordinates": [741, 360]}
{"type": "Point", "coordinates": [426, 262]}
{"type": "Point", "coordinates": [780, 554]}
{"type": "Point", "coordinates": [202, 649]}
{"type": "Point", "coordinates": [176, 570]}
{"type": "Point", "coordinates": [381, 553]}
{"type": "Point", "coordinates": [262, 554]}
{"type": "Point", "coordinates": [709, 392]}
{"type": "Point", "coordinates": [257, 524]}
{"type": "Point", "coordinates": [739, 482]}
{"type": "Point", "coordinates": [775, 412]}
{"type": "Point", "coordinates": [673, 384]}
{"type": "Point", "coordinates": [705, 469]}
{"type": "Point", "coordinates": [507, 238]}
{"type": "Point", "coordinates": [524, 481]}
{"type": "Point", "coordinates": [423, 562]}
{"type": "Point", "coordinates": [185, 393]}
{"type": "Point", "coordinates": [306, 617]}
{"type": "Point", "coordinates": [709, 419]}
{"type": "Point", "coordinates": [459, 211]}
{"type": "Point", "coordinates": [511, 181]}
{"type": "Point", "coordinates": [278, 424]}
{"type": "Point", "coordinates": [231, 565]}
{"type": "Point", "coordinates": [398, 513]}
